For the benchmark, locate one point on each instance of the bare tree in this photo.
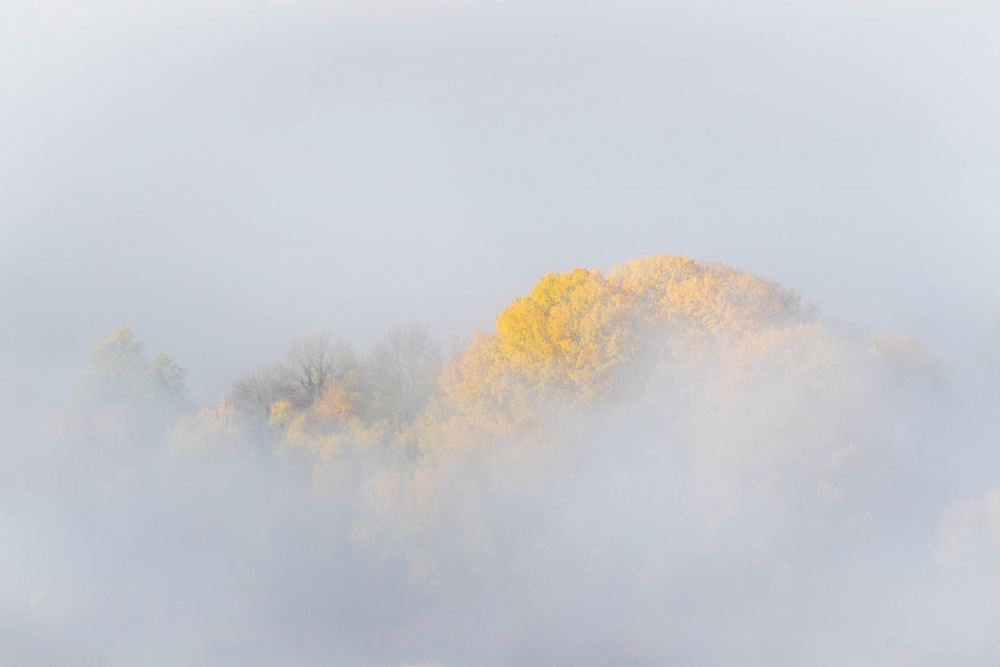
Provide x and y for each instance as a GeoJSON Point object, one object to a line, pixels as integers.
{"type": "Point", "coordinates": [402, 372]}
{"type": "Point", "coordinates": [255, 392]}
{"type": "Point", "coordinates": [313, 362]}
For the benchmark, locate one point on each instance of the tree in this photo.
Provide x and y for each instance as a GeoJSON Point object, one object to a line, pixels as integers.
{"type": "Point", "coordinates": [568, 335]}
{"type": "Point", "coordinates": [670, 291]}
{"type": "Point", "coordinates": [312, 362]}
{"type": "Point", "coordinates": [581, 336]}
{"type": "Point", "coordinates": [118, 371]}
{"type": "Point", "coordinates": [255, 392]}
{"type": "Point", "coordinates": [166, 375]}
{"type": "Point", "coordinates": [114, 364]}
{"type": "Point", "coordinates": [402, 372]}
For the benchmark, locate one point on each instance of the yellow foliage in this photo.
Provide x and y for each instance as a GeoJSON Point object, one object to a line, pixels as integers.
{"type": "Point", "coordinates": [646, 282]}
{"type": "Point", "coordinates": [280, 413]}
{"type": "Point", "coordinates": [567, 335]}
{"type": "Point", "coordinates": [224, 412]}
{"type": "Point", "coordinates": [710, 298]}
{"type": "Point", "coordinates": [480, 384]}
{"type": "Point", "coordinates": [564, 341]}
{"type": "Point", "coordinates": [208, 439]}
{"type": "Point", "coordinates": [303, 434]}
{"type": "Point", "coordinates": [337, 403]}
{"type": "Point", "coordinates": [574, 335]}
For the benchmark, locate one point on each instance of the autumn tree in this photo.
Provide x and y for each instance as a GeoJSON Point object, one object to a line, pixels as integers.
{"type": "Point", "coordinates": [566, 340]}
{"type": "Point", "coordinates": [119, 371]}
{"type": "Point", "coordinates": [209, 438]}
{"type": "Point", "coordinates": [576, 336]}
{"type": "Point", "coordinates": [665, 291]}
{"type": "Point", "coordinates": [567, 335]}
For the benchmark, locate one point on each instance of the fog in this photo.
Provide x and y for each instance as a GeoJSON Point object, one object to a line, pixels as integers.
{"type": "Point", "coordinates": [653, 462]}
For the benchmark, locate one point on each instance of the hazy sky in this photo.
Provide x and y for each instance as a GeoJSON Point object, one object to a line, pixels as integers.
{"type": "Point", "coordinates": [226, 176]}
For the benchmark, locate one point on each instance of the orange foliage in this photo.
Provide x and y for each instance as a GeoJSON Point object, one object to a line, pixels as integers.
{"type": "Point", "coordinates": [336, 403]}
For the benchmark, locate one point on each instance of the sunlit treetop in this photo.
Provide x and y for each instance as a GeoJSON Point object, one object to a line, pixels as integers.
{"type": "Point", "coordinates": [568, 334]}
{"type": "Point", "coordinates": [665, 290]}
{"type": "Point", "coordinates": [573, 336]}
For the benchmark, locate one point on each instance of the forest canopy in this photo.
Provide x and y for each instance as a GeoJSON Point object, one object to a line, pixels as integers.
{"type": "Point", "coordinates": [581, 340]}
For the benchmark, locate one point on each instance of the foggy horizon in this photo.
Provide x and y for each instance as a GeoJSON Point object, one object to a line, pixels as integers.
{"type": "Point", "coordinates": [437, 333]}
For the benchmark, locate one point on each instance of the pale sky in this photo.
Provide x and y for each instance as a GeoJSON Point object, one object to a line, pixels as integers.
{"type": "Point", "coordinates": [227, 176]}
